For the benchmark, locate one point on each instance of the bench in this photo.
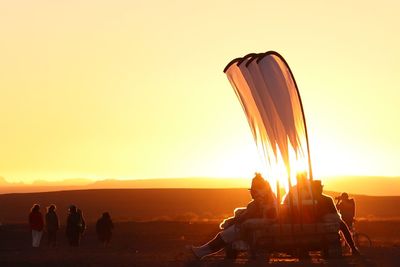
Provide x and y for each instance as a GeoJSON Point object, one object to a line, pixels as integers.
{"type": "Point", "coordinates": [258, 237]}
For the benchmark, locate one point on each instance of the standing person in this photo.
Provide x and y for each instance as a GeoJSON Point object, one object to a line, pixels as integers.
{"type": "Point", "coordinates": [52, 225]}
{"type": "Point", "coordinates": [347, 208]}
{"type": "Point", "coordinates": [36, 224]}
{"type": "Point", "coordinates": [104, 228]}
{"type": "Point", "coordinates": [73, 228]}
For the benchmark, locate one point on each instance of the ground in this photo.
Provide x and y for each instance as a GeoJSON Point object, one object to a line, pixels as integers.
{"type": "Point", "coordinates": [159, 244]}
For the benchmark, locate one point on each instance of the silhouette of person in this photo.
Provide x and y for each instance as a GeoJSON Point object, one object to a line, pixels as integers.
{"type": "Point", "coordinates": [263, 206]}
{"type": "Point", "coordinates": [327, 212]}
{"type": "Point", "coordinates": [104, 228]}
{"type": "Point", "coordinates": [52, 225]}
{"type": "Point", "coordinates": [347, 208]}
{"type": "Point", "coordinates": [300, 196]}
{"type": "Point", "coordinates": [74, 227]}
{"type": "Point", "coordinates": [36, 225]}
{"type": "Point", "coordinates": [82, 221]}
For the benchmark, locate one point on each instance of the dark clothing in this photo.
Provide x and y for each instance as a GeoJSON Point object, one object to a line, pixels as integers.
{"type": "Point", "coordinates": [257, 210]}
{"type": "Point", "coordinates": [36, 221]}
{"type": "Point", "coordinates": [347, 209]}
{"type": "Point", "coordinates": [52, 227]}
{"type": "Point", "coordinates": [83, 224]}
{"type": "Point", "coordinates": [347, 235]}
{"type": "Point", "coordinates": [52, 238]}
{"type": "Point", "coordinates": [325, 205]}
{"type": "Point", "coordinates": [74, 229]}
{"type": "Point", "coordinates": [104, 228]}
{"type": "Point", "coordinates": [52, 224]}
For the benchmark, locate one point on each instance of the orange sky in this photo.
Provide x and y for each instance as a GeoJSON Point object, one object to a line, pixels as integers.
{"type": "Point", "coordinates": [135, 89]}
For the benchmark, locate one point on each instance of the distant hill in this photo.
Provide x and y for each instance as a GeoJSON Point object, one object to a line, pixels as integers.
{"type": "Point", "coordinates": [164, 204]}
{"type": "Point", "coordinates": [374, 186]}
{"type": "Point", "coordinates": [366, 185]}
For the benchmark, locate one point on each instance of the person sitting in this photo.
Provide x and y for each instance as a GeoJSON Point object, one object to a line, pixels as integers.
{"type": "Point", "coordinates": [297, 204]}
{"type": "Point", "coordinates": [262, 206]}
{"type": "Point", "coordinates": [327, 212]}
{"type": "Point", "coordinates": [347, 208]}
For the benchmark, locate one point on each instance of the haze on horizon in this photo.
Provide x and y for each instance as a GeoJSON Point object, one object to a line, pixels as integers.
{"type": "Point", "coordinates": [125, 90]}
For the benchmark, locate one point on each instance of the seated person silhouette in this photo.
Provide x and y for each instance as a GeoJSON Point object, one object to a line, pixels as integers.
{"type": "Point", "coordinates": [262, 206]}
{"type": "Point", "coordinates": [299, 201]}
{"type": "Point", "coordinates": [326, 212]}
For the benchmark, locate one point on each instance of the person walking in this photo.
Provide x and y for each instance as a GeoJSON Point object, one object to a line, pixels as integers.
{"type": "Point", "coordinates": [36, 225]}
{"type": "Point", "coordinates": [52, 225]}
{"type": "Point", "coordinates": [104, 228]}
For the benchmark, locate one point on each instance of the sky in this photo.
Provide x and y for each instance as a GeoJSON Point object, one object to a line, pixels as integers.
{"type": "Point", "coordinates": [136, 89]}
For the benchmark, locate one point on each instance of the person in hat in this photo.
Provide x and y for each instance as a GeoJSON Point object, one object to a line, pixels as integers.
{"type": "Point", "coordinates": [327, 212]}
{"type": "Point", "coordinates": [347, 208]}
{"type": "Point", "coordinates": [262, 206]}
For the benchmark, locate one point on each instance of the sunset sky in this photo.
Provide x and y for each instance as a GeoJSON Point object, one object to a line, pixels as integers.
{"type": "Point", "coordinates": [136, 89]}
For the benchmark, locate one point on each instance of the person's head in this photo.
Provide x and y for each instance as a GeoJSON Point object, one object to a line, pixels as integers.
{"type": "Point", "coordinates": [260, 188]}
{"type": "Point", "coordinates": [35, 208]}
{"type": "Point", "coordinates": [51, 208]}
{"type": "Point", "coordinates": [344, 196]}
{"type": "Point", "coordinates": [106, 215]}
{"type": "Point", "coordinates": [317, 188]}
{"type": "Point", "coordinates": [72, 209]}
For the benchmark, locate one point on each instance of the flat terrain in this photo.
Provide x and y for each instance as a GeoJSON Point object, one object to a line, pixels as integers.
{"type": "Point", "coordinates": [155, 225]}
{"type": "Point", "coordinates": [166, 204]}
{"type": "Point", "coordinates": [163, 244]}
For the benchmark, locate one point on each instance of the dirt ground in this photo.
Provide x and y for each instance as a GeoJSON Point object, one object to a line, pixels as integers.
{"type": "Point", "coordinates": [164, 244]}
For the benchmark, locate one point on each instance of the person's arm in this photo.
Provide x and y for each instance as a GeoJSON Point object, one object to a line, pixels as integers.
{"type": "Point", "coordinates": [40, 221]}
{"type": "Point", "coordinates": [250, 212]}
{"type": "Point", "coordinates": [353, 206]}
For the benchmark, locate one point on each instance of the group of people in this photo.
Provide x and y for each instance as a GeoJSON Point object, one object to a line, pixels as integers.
{"type": "Point", "coordinates": [74, 229]}
{"type": "Point", "coordinates": [264, 205]}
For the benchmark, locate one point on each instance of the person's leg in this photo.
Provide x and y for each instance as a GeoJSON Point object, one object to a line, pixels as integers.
{"type": "Point", "coordinates": [211, 247]}
{"type": "Point", "coordinates": [35, 238]}
{"type": "Point", "coordinates": [40, 233]}
{"type": "Point", "coordinates": [349, 238]}
{"type": "Point", "coordinates": [55, 239]}
{"type": "Point", "coordinates": [51, 238]}
{"type": "Point", "coordinates": [223, 238]}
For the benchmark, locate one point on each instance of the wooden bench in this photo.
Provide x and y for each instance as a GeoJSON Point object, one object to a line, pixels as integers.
{"type": "Point", "coordinates": [295, 239]}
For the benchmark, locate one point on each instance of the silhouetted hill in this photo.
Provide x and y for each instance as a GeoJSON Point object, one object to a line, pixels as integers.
{"type": "Point", "coordinates": [366, 185]}
{"type": "Point", "coordinates": [374, 186]}
{"type": "Point", "coordinates": [162, 204]}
